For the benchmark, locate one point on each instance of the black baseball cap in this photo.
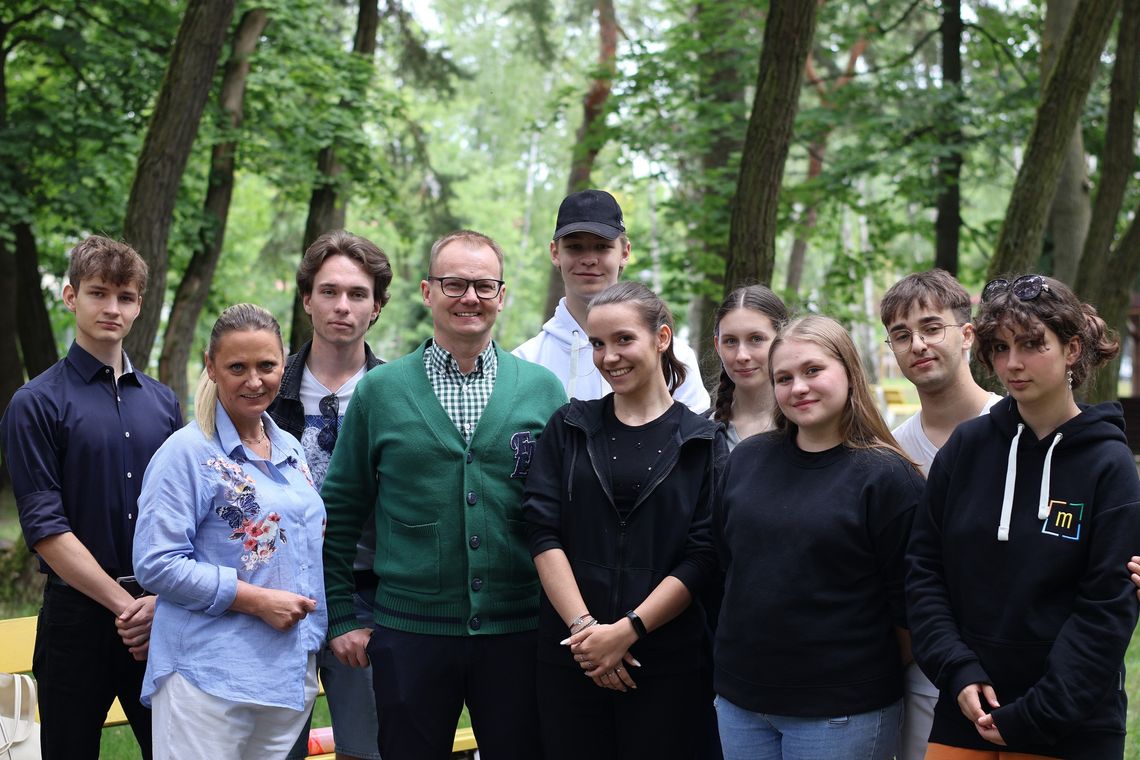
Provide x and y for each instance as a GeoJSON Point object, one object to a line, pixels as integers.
{"type": "Point", "coordinates": [593, 211]}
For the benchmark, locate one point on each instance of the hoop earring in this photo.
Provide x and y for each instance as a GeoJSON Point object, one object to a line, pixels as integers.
{"type": "Point", "coordinates": [1069, 379]}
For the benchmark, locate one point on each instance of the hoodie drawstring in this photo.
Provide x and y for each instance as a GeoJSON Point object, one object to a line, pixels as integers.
{"type": "Point", "coordinates": [1011, 484]}
{"type": "Point", "coordinates": [573, 364]}
{"type": "Point", "coordinates": [1043, 504]}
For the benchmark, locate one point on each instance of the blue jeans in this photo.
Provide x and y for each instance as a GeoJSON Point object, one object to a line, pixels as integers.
{"type": "Point", "coordinates": [747, 735]}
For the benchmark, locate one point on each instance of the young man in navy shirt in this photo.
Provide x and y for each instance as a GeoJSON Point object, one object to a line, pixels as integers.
{"type": "Point", "coordinates": [77, 439]}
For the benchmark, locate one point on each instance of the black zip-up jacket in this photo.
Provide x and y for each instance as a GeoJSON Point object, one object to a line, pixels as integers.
{"type": "Point", "coordinates": [287, 410]}
{"type": "Point", "coordinates": [568, 504]}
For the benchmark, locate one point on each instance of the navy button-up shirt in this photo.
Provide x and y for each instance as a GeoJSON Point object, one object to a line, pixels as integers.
{"type": "Point", "coordinates": [77, 443]}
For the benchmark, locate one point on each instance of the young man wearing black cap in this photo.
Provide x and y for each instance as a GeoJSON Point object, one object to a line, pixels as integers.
{"type": "Point", "coordinates": [590, 249]}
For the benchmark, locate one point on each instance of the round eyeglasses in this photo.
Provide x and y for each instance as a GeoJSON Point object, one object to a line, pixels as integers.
{"type": "Point", "coordinates": [456, 287]}
{"type": "Point", "coordinates": [932, 334]}
{"type": "Point", "coordinates": [1024, 288]}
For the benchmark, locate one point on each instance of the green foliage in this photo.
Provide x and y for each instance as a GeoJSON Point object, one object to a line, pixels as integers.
{"type": "Point", "coordinates": [466, 116]}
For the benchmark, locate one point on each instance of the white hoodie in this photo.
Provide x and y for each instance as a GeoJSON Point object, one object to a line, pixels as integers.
{"type": "Point", "coordinates": [563, 348]}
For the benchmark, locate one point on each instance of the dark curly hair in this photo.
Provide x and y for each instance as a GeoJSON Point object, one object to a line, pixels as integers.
{"type": "Point", "coordinates": [1057, 308]}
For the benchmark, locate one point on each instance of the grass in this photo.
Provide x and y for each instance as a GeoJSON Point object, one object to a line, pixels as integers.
{"type": "Point", "coordinates": [119, 743]}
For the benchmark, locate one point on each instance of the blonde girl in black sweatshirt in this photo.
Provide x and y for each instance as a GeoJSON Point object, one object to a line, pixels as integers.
{"type": "Point", "coordinates": [812, 525]}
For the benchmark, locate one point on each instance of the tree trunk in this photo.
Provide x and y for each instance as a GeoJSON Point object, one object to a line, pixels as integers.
{"type": "Point", "coordinates": [1113, 305]}
{"type": "Point", "coordinates": [1071, 208]}
{"type": "Point", "coordinates": [1019, 242]}
{"type": "Point", "coordinates": [1116, 160]}
{"type": "Point", "coordinates": [27, 343]}
{"type": "Point", "coordinates": [177, 113]}
{"type": "Point", "coordinates": [11, 370]}
{"type": "Point", "coordinates": [721, 87]}
{"type": "Point", "coordinates": [816, 152]}
{"type": "Point", "coordinates": [947, 226]}
{"type": "Point", "coordinates": [755, 210]}
{"type": "Point", "coordinates": [591, 135]}
{"type": "Point", "coordinates": [1106, 275]}
{"type": "Point", "coordinates": [195, 286]}
{"type": "Point", "coordinates": [798, 255]}
{"type": "Point", "coordinates": [327, 207]}
{"type": "Point", "coordinates": [37, 343]}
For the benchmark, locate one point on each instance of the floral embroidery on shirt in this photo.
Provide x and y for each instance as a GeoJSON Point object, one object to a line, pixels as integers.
{"type": "Point", "coordinates": [258, 535]}
{"type": "Point", "coordinates": [302, 467]}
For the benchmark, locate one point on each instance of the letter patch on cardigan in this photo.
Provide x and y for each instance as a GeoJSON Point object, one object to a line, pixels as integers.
{"type": "Point", "coordinates": [1064, 519]}
{"type": "Point", "coordinates": [522, 443]}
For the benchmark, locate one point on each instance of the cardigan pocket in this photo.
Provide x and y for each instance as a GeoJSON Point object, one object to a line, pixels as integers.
{"type": "Point", "coordinates": [412, 560]}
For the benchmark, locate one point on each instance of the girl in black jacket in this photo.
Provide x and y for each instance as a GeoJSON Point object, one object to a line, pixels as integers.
{"type": "Point", "coordinates": [617, 505]}
{"type": "Point", "coordinates": [1019, 602]}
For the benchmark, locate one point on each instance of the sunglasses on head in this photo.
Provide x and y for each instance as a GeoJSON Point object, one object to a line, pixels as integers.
{"type": "Point", "coordinates": [1025, 288]}
{"type": "Point", "coordinates": [330, 411]}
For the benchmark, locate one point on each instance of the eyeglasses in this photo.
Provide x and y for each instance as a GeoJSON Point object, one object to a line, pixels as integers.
{"type": "Point", "coordinates": [1025, 288]}
{"type": "Point", "coordinates": [330, 412]}
{"type": "Point", "coordinates": [456, 287]}
{"type": "Point", "coordinates": [931, 334]}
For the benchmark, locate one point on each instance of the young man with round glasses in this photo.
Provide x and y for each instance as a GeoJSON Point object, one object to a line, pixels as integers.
{"type": "Point", "coordinates": [343, 280]}
{"type": "Point", "coordinates": [927, 317]}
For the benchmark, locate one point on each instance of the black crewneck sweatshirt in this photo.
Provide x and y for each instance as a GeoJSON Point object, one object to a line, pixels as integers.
{"type": "Point", "coordinates": [813, 546]}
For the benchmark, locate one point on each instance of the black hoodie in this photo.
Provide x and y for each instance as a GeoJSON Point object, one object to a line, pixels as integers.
{"type": "Point", "coordinates": [1037, 603]}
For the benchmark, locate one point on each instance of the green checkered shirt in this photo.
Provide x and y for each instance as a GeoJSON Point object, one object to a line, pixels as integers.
{"type": "Point", "coordinates": [463, 397]}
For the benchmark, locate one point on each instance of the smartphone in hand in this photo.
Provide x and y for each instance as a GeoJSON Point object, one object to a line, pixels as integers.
{"type": "Point", "coordinates": [131, 585]}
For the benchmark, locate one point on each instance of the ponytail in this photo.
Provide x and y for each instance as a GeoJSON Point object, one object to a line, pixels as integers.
{"type": "Point", "coordinates": [205, 402]}
{"type": "Point", "coordinates": [1099, 345]}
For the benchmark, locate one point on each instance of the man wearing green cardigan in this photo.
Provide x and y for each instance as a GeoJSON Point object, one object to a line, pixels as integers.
{"type": "Point", "coordinates": [438, 443]}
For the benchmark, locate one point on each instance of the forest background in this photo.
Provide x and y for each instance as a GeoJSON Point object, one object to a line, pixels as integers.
{"type": "Point", "coordinates": [825, 147]}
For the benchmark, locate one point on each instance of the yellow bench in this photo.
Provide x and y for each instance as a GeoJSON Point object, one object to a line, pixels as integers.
{"type": "Point", "coordinates": [896, 402]}
{"type": "Point", "coordinates": [17, 642]}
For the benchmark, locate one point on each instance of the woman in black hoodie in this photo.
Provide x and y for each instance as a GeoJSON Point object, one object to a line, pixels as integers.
{"type": "Point", "coordinates": [618, 510]}
{"type": "Point", "coordinates": [1019, 604]}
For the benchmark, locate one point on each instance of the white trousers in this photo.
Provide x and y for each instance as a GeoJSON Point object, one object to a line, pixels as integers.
{"type": "Point", "coordinates": [189, 724]}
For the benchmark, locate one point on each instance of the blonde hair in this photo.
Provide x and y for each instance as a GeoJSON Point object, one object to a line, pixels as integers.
{"type": "Point", "coordinates": [860, 426]}
{"type": "Point", "coordinates": [242, 316]}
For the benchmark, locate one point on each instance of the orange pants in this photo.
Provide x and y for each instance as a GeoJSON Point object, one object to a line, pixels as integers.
{"type": "Point", "coordinates": [944, 752]}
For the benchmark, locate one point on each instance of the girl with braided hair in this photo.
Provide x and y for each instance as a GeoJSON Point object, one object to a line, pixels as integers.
{"type": "Point", "coordinates": [743, 329]}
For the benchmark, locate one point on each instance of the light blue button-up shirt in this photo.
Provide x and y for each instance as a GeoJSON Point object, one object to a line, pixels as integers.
{"type": "Point", "coordinates": [212, 513]}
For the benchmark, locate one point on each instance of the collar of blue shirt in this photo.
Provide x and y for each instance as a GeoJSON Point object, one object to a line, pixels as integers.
{"type": "Point", "coordinates": [231, 442]}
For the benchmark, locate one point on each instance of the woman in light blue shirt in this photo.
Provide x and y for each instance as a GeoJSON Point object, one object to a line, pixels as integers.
{"type": "Point", "coordinates": [229, 537]}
